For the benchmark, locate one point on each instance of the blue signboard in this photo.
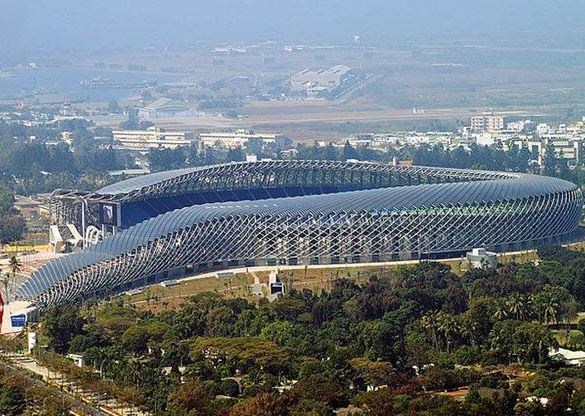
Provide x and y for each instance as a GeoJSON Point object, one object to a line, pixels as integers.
{"type": "Point", "coordinates": [18, 321]}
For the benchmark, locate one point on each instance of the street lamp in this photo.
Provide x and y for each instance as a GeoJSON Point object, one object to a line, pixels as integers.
{"type": "Point", "coordinates": [102, 367]}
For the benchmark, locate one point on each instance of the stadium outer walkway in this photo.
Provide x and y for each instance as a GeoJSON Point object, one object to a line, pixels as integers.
{"type": "Point", "coordinates": [393, 264]}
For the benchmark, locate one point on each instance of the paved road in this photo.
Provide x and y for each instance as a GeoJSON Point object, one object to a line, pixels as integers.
{"type": "Point", "coordinates": [67, 398]}
{"type": "Point", "coordinates": [109, 407]}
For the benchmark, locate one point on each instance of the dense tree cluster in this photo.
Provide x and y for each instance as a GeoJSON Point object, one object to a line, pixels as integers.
{"type": "Point", "coordinates": [29, 165]}
{"type": "Point", "coordinates": [387, 346]}
{"type": "Point", "coordinates": [477, 157]}
{"type": "Point", "coordinates": [12, 225]}
{"type": "Point", "coordinates": [516, 159]}
{"type": "Point", "coordinates": [181, 157]}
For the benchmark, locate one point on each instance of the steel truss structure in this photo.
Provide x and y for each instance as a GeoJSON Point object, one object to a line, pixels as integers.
{"type": "Point", "coordinates": [150, 195]}
{"type": "Point", "coordinates": [400, 213]}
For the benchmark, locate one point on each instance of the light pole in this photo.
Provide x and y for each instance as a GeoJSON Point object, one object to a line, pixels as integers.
{"type": "Point", "coordinates": [102, 368]}
{"type": "Point", "coordinates": [83, 202]}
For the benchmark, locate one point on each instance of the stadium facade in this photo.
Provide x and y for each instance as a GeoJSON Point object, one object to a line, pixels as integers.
{"type": "Point", "coordinates": [300, 212]}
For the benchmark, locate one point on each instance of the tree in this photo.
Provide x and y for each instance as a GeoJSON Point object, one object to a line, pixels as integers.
{"type": "Point", "coordinates": [532, 342]}
{"type": "Point", "coordinates": [419, 347]}
{"type": "Point", "coordinates": [373, 373]}
{"type": "Point", "coordinates": [265, 404]}
{"type": "Point", "coordinates": [381, 403]}
{"type": "Point", "coordinates": [436, 405]}
{"type": "Point", "coordinates": [135, 339]}
{"type": "Point", "coordinates": [382, 339]}
{"type": "Point", "coordinates": [113, 106]}
{"type": "Point", "coordinates": [54, 407]}
{"type": "Point", "coordinates": [501, 310]}
{"type": "Point", "coordinates": [449, 327]}
{"type": "Point", "coordinates": [6, 202]}
{"type": "Point", "coordinates": [12, 227]}
{"type": "Point", "coordinates": [281, 332]}
{"type": "Point", "coordinates": [311, 408]}
{"type": "Point", "coordinates": [526, 408]}
{"type": "Point", "coordinates": [441, 327]}
{"type": "Point", "coordinates": [437, 379]}
{"type": "Point", "coordinates": [331, 152]}
{"type": "Point", "coordinates": [430, 323]}
{"type": "Point", "coordinates": [61, 324]}
{"type": "Point", "coordinates": [244, 353]}
{"type": "Point", "coordinates": [192, 395]}
{"type": "Point", "coordinates": [323, 388]}
{"type": "Point", "coordinates": [550, 160]}
{"type": "Point", "coordinates": [287, 308]}
{"type": "Point", "coordinates": [501, 342]}
{"type": "Point", "coordinates": [518, 307]}
{"type": "Point", "coordinates": [476, 321]}
{"type": "Point", "coordinates": [165, 159]}
{"type": "Point", "coordinates": [553, 303]}
{"type": "Point", "coordinates": [349, 151]}
{"type": "Point", "coordinates": [15, 267]}
{"type": "Point", "coordinates": [236, 155]}
{"type": "Point", "coordinates": [11, 401]}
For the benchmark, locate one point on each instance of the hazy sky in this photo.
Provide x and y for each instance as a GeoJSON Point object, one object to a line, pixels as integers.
{"type": "Point", "coordinates": [87, 24]}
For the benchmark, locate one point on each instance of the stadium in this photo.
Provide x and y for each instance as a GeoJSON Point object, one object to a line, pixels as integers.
{"type": "Point", "coordinates": [177, 223]}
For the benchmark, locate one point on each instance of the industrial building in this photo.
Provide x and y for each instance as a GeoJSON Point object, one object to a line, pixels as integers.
{"type": "Point", "coordinates": [314, 82]}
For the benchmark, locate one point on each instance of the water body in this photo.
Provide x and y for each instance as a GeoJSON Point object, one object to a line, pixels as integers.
{"type": "Point", "coordinates": [64, 84]}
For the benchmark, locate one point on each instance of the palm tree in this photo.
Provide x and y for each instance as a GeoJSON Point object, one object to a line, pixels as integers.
{"type": "Point", "coordinates": [14, 265]}
{"type": "Point", "coordinates": [468, 329]}
{"type": "Point", "coordinates": [568, 312]}
{"type": "Point", "coordinates": [550, 311]}
{"type": "Point", "coordinates": [448, 325]}
{"type": "Point", "coordinates": [547, 305]}
{"type": "Point", "coordinates": [501, 310]}
{"type": "Point", "coordinates": [518, 306]}
{"type": "Point", "coordinates": [429, 322]}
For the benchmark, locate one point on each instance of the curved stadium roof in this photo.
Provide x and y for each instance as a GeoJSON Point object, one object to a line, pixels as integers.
{"type": "Point", "coordinates": [267, 173]}
{"type": "Point", "coordinates": [526, 195]}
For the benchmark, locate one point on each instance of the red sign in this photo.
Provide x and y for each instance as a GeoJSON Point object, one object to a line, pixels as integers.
{"type": "Point", "coordinates": [1, 311]}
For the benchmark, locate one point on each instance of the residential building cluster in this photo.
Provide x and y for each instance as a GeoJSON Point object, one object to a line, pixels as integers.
{"type": "Point", "coordinates": [485, 129]}
{"type": "Point", "coordinates": [490, 129]}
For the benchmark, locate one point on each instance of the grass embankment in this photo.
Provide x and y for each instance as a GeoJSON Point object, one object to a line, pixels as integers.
{"type": "Point", "coordinates": [156, 298]}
